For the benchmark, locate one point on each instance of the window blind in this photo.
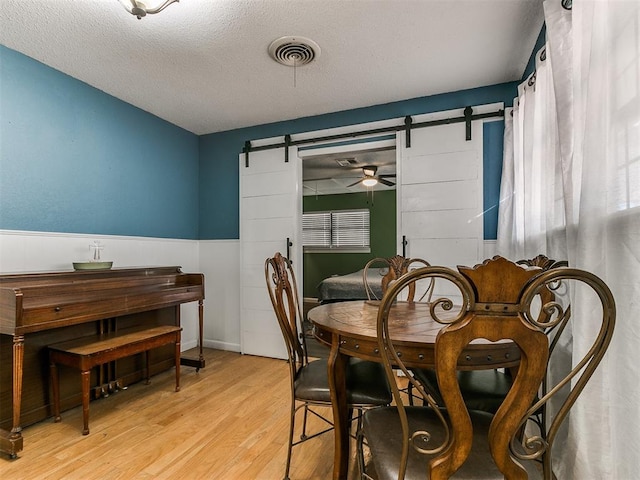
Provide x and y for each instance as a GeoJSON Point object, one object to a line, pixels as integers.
{"type": "Point", "coordinates": [316, 229]}
{"type": "Point", "coordinates": [338, 229]}
{"type": "Point", "coordinates": [350, 228]}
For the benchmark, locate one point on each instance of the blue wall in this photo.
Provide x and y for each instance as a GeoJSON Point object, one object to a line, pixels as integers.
{"type": "Point", "coordinates": [219, 165]}
{"type": "Point", "coordinates": [74, 159]}
{"type": "Point", "coordinates": [493, 147]}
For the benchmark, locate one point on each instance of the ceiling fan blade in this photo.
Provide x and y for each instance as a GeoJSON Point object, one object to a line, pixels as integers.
{"type": "Point", "coordinates": [386, 182]}
{"type": "Point", "coordinates": [388, 175]}
{"type": "Point", "coordinates": [323, 179]}
{"type": "Point", "coordinates": [354, 183]}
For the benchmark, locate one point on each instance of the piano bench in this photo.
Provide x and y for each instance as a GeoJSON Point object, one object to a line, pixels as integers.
{"type": "Point", "coordinates": [88, 352]}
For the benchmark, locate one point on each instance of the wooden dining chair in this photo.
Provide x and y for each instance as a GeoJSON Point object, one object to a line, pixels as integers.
{"type": "Point", "coordinates": [389, 270]}
{"type": "Point", "coordinates": [486, 389]}
{"type": "Point", "coordinates": [367, 385]}
{"type": "Point", "coordinates": [437, 441]}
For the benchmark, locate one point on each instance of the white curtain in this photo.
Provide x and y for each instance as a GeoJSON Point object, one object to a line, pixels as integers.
{"type": "Point", "coordinates": [532, 217]}
{"type": "Point", "coordinates": [571, 190]}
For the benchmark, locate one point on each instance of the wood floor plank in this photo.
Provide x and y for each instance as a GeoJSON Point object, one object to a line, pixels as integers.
{"type": "Point", "coordinates": [229, 422]}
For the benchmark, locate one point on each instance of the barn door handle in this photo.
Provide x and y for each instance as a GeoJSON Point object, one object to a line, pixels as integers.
{"type": "Point", "coordinates": [289, 245]}
{"type": "Point", "coordinates": [404, 245]}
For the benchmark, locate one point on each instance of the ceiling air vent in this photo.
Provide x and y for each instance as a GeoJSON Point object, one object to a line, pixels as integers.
{"type": "Point", "coordinates": [346, 162]}
{"type": "Point", "coordinates": [294, 51]}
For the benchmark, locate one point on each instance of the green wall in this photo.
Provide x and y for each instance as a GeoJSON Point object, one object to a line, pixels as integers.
{"type": "Point", "coordinates": [318, 266]}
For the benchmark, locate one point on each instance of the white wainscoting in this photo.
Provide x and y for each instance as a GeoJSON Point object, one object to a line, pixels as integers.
{"type": "Point", "coordinates": [218, 260]}
{"type": "Point", "coordinates": [220, 263]}
{"type": "Point", "coordinates": [22, 251]}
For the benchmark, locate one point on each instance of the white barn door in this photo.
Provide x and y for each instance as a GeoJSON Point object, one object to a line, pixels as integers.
{"type": "Point", "coordinates": [270, 213]}
{"type": "Point", "coordinates": [440, 194]}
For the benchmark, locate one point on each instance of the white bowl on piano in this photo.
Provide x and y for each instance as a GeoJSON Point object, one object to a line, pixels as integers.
{"type": "Point", "coordinates": [92, 265]}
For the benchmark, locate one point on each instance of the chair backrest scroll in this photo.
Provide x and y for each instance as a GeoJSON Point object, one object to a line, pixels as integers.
{"type": "Point", "coordinates": [283, 293]}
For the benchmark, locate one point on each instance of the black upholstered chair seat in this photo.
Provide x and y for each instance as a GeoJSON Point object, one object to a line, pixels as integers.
{"type": "Point", "coordinates": [381, 427]}
{"type": "Point", "coordinates": [481, 389]}
{"type": "Point", "coordinates": [366, 383]}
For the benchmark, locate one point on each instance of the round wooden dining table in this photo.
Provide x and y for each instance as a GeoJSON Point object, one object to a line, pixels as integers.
{"type": "Point", "coordinates": [349, 329]}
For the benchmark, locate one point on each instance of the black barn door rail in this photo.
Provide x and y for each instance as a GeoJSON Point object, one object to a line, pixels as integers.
{"type": "Point", "coordinates": [407, 126]}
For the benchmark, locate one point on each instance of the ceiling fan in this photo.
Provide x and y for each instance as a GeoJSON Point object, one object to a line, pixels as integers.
{"type": "Point", "coordinates": [370, 178]}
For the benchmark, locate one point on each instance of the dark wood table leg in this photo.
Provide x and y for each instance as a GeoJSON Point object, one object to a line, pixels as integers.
{"type": "Point", "coordinates": [337, 364]}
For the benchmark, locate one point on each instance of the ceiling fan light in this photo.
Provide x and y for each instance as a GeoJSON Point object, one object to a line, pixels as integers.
{"type": "Point", "coordinates": [370, 182]}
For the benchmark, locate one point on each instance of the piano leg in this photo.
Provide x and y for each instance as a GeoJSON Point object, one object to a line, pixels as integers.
{"type": "Point", "coordinates": [199, 362]}
{"type": "Point", "coordinates": [200, 331]}
{"type": "Point", "coordinates": [11, 442]}
{"type": "Point", "coordinates": [177, 356]}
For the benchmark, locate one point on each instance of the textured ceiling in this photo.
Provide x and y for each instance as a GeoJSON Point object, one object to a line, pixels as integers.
{"type": "Point", "coordinates": [203, 64]}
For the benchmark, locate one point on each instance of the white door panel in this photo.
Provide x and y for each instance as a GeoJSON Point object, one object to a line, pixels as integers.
{"type": "Point", "coordinates": [441, 167]}
{"type": "Point", "coordinates": [270, 212]}
{"type": "Point", "coordinates": [448, 252]}
{"type": "Point", "coordinates": [441, 224]}
{"type": "Point", "coordinates": [266, 230]}
{"type": "Point", "coordinates": [255, 300]}
{"type": "Point", "coordinates": [263, 342]}
{"type": "Point", "coordinates": [253, 276]}
{"type": "Point", "coordinates": [266, 162]}
{"type": "Point", "coordinates": [256, 253]}
{"type": "Point", "coordinates": [268, 207]}
{"type": "Point", "coordinates": [443, 138]}
{"type": "Point", "coordinates": [267, 184]}
{"type": "Point", "coordinates": [440, 194]}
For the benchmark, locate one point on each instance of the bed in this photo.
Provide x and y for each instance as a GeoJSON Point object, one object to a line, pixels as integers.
{"type": "Point", "coordinates": [339, 288]}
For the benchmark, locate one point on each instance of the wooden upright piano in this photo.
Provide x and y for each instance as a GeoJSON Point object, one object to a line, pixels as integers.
{"type": "Point", "coordinates": [38, 309]}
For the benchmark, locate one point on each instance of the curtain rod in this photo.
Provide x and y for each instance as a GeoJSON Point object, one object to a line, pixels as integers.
{"type": "Point", "coordinates": [407, 126]}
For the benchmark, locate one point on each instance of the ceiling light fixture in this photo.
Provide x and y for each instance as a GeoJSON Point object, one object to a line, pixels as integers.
{"type": "Point", "coordinates": [370, 178]}
{"type": "Point", "coordinates": [370, 181]}
{"type": "Point", "coordinates": [141, 9]}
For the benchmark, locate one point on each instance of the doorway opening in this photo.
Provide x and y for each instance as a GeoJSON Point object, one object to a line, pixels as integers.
{"type": "Point", "coordinates": [333, 180]}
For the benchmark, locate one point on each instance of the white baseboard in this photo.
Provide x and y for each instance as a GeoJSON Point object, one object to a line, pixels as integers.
{"type": "Point", "coordinates": [217, 345]}
{"type": "Point", "coordinates": [188, 345]}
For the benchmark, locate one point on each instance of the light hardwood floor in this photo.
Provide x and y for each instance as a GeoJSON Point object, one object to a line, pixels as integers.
{"type": "Point", "coordinates": [229, 421]}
